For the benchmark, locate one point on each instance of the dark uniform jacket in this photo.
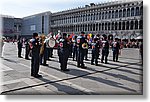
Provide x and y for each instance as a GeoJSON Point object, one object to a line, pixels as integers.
{"type": "Point", "coordinates": [95, 47]}
{"type": "Point", "coordinates": [115, 46]}
{"type": "Point", "coordinates": [80, 41]}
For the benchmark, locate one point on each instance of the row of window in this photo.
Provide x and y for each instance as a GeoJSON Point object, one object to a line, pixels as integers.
{"type": "Point", "coordinates": [100, 16]}
{"type": "Point", "coordinates": [133, 25]}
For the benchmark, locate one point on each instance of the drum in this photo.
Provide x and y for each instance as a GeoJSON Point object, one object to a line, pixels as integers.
{"type": "Point", "coordinates": [51, 42]}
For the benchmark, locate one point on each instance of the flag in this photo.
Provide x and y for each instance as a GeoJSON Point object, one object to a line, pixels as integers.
{"type": "Point", "coordinates": [71, 36]}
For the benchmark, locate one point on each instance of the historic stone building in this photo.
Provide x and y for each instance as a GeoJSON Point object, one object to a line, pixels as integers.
{"type": "Point", "coordinates": [122, 19]}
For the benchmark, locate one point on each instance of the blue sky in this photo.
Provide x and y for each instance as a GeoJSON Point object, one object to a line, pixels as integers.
{"type": "Point", "coordinates": [22, 8]}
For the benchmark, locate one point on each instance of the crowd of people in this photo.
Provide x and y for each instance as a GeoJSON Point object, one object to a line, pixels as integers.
{"type": "Point", "coordinates": [74, 46]}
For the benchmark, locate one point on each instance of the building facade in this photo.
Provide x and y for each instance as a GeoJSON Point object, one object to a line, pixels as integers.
{"type": "Point", "coordinates": [11, 26]}
{"type": "Point", "coordinates": [116, 19]}
{"type": "Point", "coordinates": [14, 27]}
{"type": "Point", "coordinates": [39, 23]}
{"type": "Point", "coordinates": [123, 19]}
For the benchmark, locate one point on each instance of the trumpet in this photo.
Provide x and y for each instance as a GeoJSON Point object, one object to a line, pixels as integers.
{"type": "Point", "coordinates": [85, 46]}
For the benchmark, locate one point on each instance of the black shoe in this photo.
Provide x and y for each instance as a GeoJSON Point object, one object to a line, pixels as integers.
{"type": "Point", "coordinates": [78, 66]}
{"type": "Point", "coordinates": [45, 64]}
{"type": "Point", "coordinates": [66, 70]}
{"type": "Point", "coordinates": [84, 67]}
{"type": "Point", "coordinates": [92, 63]}
{"type": "Point", "coordinates": [106, 62]}
{"type": "Point", "coordinates": [32, 75]}
{"type": "Point", "coordinates": [96, 64]}
{"type": "Point", "coordinates": [37, 76]}
{"type": "Point", "coordinates": [20, 56]}
{"type": "Point", "coordinates": [114, 60]}
{"type": "Point", "coordinates": [102, 62]}
{"type": "Point", "coordinates": [117, 61]}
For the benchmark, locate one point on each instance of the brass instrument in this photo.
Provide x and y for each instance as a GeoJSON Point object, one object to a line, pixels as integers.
{"type": "Point", "coordinates": [85, 46]}
{"type": "Point", "coordinates": [42, 37]}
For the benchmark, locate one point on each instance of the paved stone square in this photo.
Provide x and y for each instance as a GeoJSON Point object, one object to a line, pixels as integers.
{"type": "Point", "coordinates": [123, 77]}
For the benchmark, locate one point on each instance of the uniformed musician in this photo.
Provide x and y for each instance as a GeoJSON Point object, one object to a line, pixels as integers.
{"type": "Point", "coordinates": [75, 53]}
{"type": "Point", "coordinates": [95, 51]}
{"type": "Point", "coordinates": [19, 45]}
{"type": "Point", "coordinates": [105, 49]}
{"type": "Point", "coordinates": [82, 45]}
{"type": "Point", "coordinates": [35, 47]}
{"type": "Point", "coordinates": [115, 49]}
{"type": "Point", "coordinates": [64, 45]}
{"type": "Point", "coordinates": [43, 51]}
{"type": "Point", "coordinates": [27, 49]}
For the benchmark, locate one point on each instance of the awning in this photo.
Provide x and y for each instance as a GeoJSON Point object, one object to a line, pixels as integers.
{"type": "Point", "coordinates": [139, 37]}
{"type": "Point", "coordinates": [133, 37]}
{"type": "Point", "coordinates": [125, 37]}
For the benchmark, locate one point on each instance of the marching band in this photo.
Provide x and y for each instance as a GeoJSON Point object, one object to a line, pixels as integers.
{"type": "Point", "coordinates": [40, 48]}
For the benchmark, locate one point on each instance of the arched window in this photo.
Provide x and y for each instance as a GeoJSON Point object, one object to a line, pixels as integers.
{"type": "Point", "coordinates": [108, 26]}
{"type": "Point", "coordinates": [113, 14]}
{"type": "Point", "coordinates": [112, 27]}
{"type": "Point", "coordinates": [141, 10]}
{"type": "Point", "coordinates": [85, 27]}
{"type": "Point", "coordinates": [109, 15]}
{"type": "Point", "coordinates": [119, 25]}
{"type": "Point", "coordinates": [88, 17]}
{"type": "Point", "coordinates": [116, 26]}
{"type": "Point", "coordinates": [128, 12]}
{"type": "Point", "coordinates": [132, 11]}
{"type": "Point", "coordinates": [103, 15]}
{"type": "Point", "coordinates": [106, 15]}
{"type": "Point", "coordinates": [99, 26]}
{"type": "Point", "coordinates": [94, 16]}
{"type": "Point", "coordinates": [120, 13]}
{"type": "Point", "coordinates": [131, 25]}
{"type": "Point", "coordinates": [141, 24]}
{"type": "Point", "coordinates": [93, 27]}
{"type": "Point", "coordinates": [99, 16]}
{"type": "Point", "coordinates": [137, 11]}
{"type": "Point", "coordinates": [102, 26]}
{"type": "Point", "coordinates": [127, 25]}
{"type": "Point", "coordinates": [123, 25]}
{"type": "Point", "coordinates": [124, 12]}
{"type": "Point", "coordinates": [85, 17]}
{"type": "Point", "coordinates": [105, 26]}
{"type": "Point", "coordinates": [96, 28]}
{"type": "Point", "coordinates": [116, 14]}
{"type": "Point", "coordinates": [136, 24]}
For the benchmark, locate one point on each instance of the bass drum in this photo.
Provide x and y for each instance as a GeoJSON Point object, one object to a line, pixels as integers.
{"type": "Point", "coordinates": [51, 42]}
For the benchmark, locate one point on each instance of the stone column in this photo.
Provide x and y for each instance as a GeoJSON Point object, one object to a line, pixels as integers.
{"type": "Point", "coordinates": [125, 25]}
{"type": "Point", "coordinates": [134, 25]}
{"type": "Point", "coordinates": [138, 24]}
{"type": "Point", "coordinates": [98, 27]}
{"type": "Point", "coordinates": [129, 25]}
